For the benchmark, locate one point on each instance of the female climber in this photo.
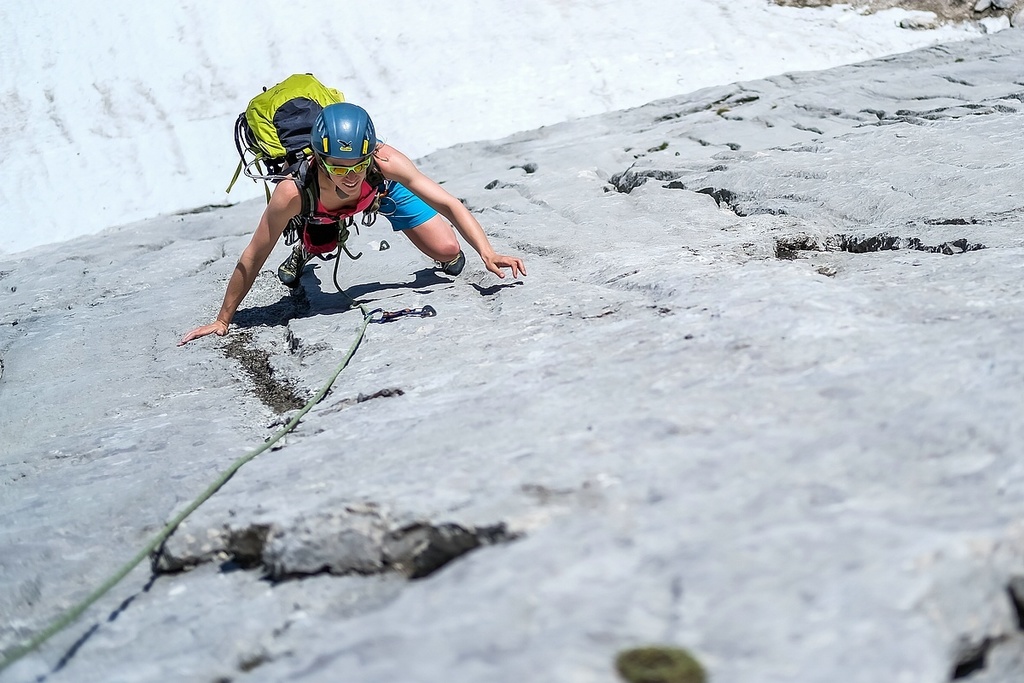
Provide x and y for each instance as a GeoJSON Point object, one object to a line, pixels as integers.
{"type": "Point", "coordinates": [352, 172]}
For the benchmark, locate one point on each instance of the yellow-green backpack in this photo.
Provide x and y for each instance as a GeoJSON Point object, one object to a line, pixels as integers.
{"type": "Point", "coordinates": [272, 134]}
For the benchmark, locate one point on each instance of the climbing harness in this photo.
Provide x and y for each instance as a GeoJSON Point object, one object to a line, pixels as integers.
{"type": "Point", "coordinates": [157, 541]}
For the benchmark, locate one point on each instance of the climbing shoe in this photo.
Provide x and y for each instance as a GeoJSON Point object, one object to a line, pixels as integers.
{"type": "Point", "coordinates": [453, 267]}
{"type": "Point", "coordinates": [290, 271]}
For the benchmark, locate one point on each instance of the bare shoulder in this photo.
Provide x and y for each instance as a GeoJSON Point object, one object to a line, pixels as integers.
{"type": "Point", "coordinates": [284, 192]}
{"type": "Point", "coordinates": [393, 164]}
{"type": "Point", "coordinates": [285, 199]}
{"type": "Point", "coordinates": [386, 153]}
{"type": "Point", "coordinates": [285, 203]}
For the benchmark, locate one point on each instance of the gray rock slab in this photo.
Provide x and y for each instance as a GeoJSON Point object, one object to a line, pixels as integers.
{"type": "Point", "coordinates": [737, 406]}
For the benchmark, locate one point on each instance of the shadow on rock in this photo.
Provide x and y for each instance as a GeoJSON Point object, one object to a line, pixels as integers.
{"type": "Point", "coordinates": [494, 289]}
{"type": "Point", "coordinates": [310, 299]}
{"type": "Point", "coordinates": [423, 279]}
{"type": "Point", "coordinates": [294, 304]}
{"type": "Point", "coordinates": [91, 631]}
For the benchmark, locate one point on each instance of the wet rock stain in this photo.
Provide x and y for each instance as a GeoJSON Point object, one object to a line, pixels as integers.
{"type": "Point", "coordinates": [277, 394]}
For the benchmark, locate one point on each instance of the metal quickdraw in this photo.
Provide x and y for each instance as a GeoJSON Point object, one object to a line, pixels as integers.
{"type": "Point", "coordinates": [388, 316]}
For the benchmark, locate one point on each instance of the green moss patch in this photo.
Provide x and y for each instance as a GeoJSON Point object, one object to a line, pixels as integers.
{"type": "Point", "coordinates": [659, 665]}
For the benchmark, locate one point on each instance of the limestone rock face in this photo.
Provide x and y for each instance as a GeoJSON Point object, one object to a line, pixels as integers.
{"type": "Point", "coordinates": [759, 397]}
{"type": "Point", "coordinates": [945, 10]}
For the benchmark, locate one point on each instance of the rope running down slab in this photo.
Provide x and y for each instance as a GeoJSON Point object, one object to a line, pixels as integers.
{"type": "Point", "coordinates": [72, 614]}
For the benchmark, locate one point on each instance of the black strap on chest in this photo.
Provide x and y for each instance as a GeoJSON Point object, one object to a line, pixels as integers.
{"type": "Point", "coordinates": [309, 187]}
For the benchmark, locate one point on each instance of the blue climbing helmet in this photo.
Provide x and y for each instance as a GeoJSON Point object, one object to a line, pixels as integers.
{"type": "Point", "coordinates": [343, 131]}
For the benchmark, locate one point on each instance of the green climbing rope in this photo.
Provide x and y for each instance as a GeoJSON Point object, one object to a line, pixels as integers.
{"type": "Point", "coordinates": [72, 614]}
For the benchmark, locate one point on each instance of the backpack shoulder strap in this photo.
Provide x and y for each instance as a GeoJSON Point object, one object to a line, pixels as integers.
{"type": "Point", "coordinates": [376, 179]}
{"type": "Point", "coordinates": [309, 188]}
